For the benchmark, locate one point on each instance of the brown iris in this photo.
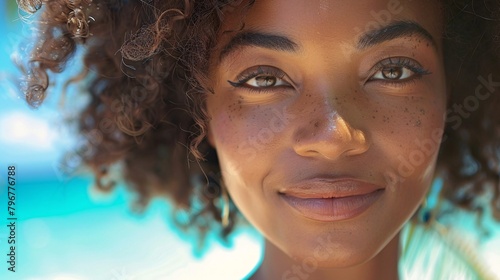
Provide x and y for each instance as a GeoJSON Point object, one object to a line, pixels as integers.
{"type": "Point", "coordinates": [265, 81]}
{"type": "Point", "coordinates": [392, 73]}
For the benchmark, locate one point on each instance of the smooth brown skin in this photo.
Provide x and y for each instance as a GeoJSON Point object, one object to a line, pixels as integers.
{"type": "Point", "coordinates": [336, 123]}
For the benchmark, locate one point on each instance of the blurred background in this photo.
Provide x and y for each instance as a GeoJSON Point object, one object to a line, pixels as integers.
{"type": "Point", "coordinates": [67, 231]}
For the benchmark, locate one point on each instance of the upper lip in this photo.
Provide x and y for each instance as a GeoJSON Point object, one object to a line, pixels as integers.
{"type": "Point", "coordinates": [327, 187]}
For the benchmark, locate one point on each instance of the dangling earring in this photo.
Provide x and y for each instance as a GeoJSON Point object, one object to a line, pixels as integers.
{"type": "Point", "coordinates": [225, 208]}
{"type": "Point", "coordinates": [214, 189]}
{"type": "Point", "coordinates": [425, 214]}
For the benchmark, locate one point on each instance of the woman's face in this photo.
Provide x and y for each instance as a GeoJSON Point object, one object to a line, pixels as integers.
{"type": "Point", "coordinates": [327, 118]}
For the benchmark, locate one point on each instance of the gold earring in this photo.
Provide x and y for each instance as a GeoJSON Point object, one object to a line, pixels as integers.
{"type": "Point", "coordinates": [225, 208]}
{"type": "Point", "coordinates": [217, 192]}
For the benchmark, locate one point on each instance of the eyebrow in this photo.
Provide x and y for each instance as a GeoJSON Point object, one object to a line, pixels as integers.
{"type": "Point", "coordinates": [277, 42]}
{"type": "Point", "coordinates": [392, 31]}
{"type": "Point", "coordinates": [258, 39]}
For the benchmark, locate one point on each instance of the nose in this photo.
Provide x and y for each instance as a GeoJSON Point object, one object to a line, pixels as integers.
{"type": "Point", "coordinates": [329, 136]}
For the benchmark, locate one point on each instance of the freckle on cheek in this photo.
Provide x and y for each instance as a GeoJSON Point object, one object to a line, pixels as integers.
{"type": "Point", "coordinates": [418, 123]}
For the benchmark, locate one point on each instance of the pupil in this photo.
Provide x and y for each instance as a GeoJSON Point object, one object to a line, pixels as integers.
{"type": "Point", "coordinates": [265, 81]}
{"type": "Point", "coordinates": [392, 73]}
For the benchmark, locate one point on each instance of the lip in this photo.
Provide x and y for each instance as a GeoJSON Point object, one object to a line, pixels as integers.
{"type": "Point", "coordinates": [330, 200]}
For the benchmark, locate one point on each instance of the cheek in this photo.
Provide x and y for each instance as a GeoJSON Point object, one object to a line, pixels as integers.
{"type": "Point", "coordinates": [410, 138]}
{"type": "Point", "coordinates": [248, 131]}
{"type": "Point", "coordinates": [246, 143]}
{"type": "Point", "coordinates": [245, 137]}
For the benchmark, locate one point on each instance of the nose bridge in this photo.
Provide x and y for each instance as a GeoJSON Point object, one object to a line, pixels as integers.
{"type": "Point", "coordinates": [327, 132]}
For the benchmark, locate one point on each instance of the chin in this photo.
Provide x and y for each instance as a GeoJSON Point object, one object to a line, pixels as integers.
{"type": "Point", "coordinates": [337, 249]}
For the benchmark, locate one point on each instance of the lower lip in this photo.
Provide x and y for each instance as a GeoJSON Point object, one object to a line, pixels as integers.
{"type": "Point", "coordinates": [333, 209]}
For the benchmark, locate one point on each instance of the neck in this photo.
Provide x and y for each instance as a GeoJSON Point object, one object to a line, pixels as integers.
{"type": "Point", "coordinates": [383, 266]}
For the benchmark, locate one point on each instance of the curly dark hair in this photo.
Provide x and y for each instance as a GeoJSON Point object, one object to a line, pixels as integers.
{"type": "Point", "coordinates": [145, 70]}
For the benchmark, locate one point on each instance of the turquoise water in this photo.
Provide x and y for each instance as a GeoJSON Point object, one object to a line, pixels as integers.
{"type": "Point", "coordinates": [65, 232]}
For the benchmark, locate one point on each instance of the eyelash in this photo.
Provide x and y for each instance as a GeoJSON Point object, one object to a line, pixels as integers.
{"type": "Point", "coordinates": [396, 62]}
{"type": "Point", "coordinates": [399, 62]}
{"type": "Point", "coordinates": [254, 72]}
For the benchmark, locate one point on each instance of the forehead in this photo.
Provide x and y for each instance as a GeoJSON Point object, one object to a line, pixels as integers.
{"type": "Point", "coordinates": [330, 22]}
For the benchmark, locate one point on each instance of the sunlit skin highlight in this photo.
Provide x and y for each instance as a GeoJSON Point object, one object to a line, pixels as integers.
{"type": "Point", "coordinates": [330, 112]}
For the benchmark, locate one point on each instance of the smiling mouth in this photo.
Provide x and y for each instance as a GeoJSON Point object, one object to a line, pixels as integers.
{"type": "Point", "coordinates": [331, 200]}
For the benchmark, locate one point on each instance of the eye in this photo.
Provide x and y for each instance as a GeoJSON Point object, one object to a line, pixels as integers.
{"type": "Point", "coordinates": [397, 70]}
{"type": "Point", "coordinates": [263, 81]}
{"type": "Point", "coordinates": [393, 73]}
{"type": "Point", "coordinates": [261, 78]}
